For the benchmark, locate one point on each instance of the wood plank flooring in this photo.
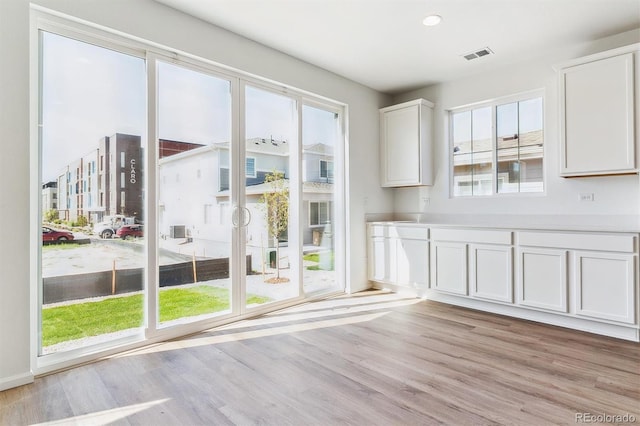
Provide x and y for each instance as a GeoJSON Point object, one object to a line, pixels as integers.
{"type": "Point", "coordinates": [371, 359]}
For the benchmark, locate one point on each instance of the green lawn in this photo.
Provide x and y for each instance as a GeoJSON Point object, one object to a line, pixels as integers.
{"type": "Point", "coordinates": [315, 257]}
{"type": "Point", "coordinates": [79, 320]}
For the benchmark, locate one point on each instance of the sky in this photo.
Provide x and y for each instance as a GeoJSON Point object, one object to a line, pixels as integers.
{"type": "Point", "coordinates": [90, 92]}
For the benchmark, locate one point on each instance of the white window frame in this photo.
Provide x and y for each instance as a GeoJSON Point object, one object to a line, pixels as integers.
{"type": "Point", "coordinates": [494, 103]}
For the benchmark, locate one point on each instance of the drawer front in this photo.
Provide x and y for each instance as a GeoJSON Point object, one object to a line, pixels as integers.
{"type": "Point", "coordinates": [483, 236]}
{"type": "Point", "coordinates": [412, 232]}
{"type": "Point", "coordinates": [625, 243]}
{"type": "Point", "coordinates": [378, 230]}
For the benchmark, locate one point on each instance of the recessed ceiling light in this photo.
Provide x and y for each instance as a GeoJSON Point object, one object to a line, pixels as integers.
{"type": "Point", "coordinates": [432, 20]}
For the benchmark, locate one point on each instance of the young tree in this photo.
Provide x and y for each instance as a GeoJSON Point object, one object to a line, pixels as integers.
{"type": "Point", "coordinates": [275, 202]}
{"type": "Point", "coordinates": [50, 215]}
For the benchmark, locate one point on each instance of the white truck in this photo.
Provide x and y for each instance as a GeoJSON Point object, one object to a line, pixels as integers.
{"type": "Point", "coordinates": [110, 224]}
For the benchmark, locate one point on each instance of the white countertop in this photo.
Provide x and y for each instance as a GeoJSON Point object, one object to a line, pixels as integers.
{"type": "Point", "coordinates": [585, 223]}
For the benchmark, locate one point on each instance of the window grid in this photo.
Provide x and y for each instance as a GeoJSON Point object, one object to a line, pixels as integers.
{"type": "Point", "coordinates": [497, 147]}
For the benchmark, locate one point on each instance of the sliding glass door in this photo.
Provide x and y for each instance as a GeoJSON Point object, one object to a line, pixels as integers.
{"type": "Point", "coordinates": [321, 198]}
{"type": "Point", "coordinates": [270, 196]}
{"type": "Point", "coordinates": [92, 123]}
{"type": "Point", "coordinates": [194, 211]}
{"type": "Point", "coordinates": [175, 195]}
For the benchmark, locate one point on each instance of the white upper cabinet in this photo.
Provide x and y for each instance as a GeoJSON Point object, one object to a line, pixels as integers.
{"type": "Point", "coordinates": [598, 114]}
{"type": "Point", "coordinates": [406, 152]}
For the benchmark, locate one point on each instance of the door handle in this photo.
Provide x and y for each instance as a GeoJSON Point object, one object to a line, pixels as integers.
{"type": "Point", "coordinates": [235, 216]}
{"type": "Point", "coordinates": [246, 216]}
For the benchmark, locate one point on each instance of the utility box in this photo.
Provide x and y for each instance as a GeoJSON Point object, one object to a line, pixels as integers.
{"type": "Point", "coordinates": [317, 237]}
{"type": "Point", "coordinates": [177, 231]}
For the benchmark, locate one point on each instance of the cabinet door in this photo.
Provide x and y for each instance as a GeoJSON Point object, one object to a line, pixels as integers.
{"type": "Point", "coordinates": [605, 286]}
{"type": "Point", "coordinates": [449, 267]}
{"type": "Point", "coordinates": [598, 117]}
{"type": "Point", "coordinates": [412, 260]}
{"type": "Point", "coordinates": [401, 146]}
{"type": "Point", "coordinates": [543, 278]}
{"type": "Point", "coordinates": [381, 259]}
{"type": "Point", "coordinates": [491, 272]}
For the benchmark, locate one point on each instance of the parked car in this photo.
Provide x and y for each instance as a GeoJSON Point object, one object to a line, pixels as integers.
{"type": "Point", "coordinates": [110, 225]}
{"type": "Point", "coordinates": [50, 234]}
{"type": "Point", "coordinates": [130, 231]}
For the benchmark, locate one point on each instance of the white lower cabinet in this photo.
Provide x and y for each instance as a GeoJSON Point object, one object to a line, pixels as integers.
{"type": "Point", "coordinates": [543, 278]}
{"type": "Point", "coordinates": [380, 253]}
{"type": "Point", "coordinates": [473, 262]}
{"type": "Point", "coordinates": [582, 280]}
{"type": "Point", "coordinates": [491, 272]}
{"type": "Point", "coordinates": [399, 255]}
{"type": "Point", "coordinates": [449, 267]}
{"type": "Point", "coordinates": [605, 286]}
{"type": "Point", "coordinates": [412, 260]}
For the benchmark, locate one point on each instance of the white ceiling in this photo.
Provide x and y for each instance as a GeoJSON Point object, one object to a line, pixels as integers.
{"type": "Point", "coordinates": [383, 44]}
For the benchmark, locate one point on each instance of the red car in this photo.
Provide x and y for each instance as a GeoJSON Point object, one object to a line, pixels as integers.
{"type": "Point", "coordinates": [130, 231]}
{"type": "Point", "coordinates": [50, 234]}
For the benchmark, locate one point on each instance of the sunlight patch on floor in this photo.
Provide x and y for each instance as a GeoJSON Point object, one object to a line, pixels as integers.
{"type": "Point", "coordinates": [106, 416]}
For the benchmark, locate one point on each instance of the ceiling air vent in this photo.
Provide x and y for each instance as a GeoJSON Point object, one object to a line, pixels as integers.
{"type": "Point", "coordinates": [478, 54]}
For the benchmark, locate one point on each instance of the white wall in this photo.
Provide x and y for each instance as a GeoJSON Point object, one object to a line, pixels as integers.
{"type": "Point", "coordinates": [616, 197]}
{"type": "Point", "coordinates": [14, 193]}
{"type": "Point", "coordinates": [152, 21]}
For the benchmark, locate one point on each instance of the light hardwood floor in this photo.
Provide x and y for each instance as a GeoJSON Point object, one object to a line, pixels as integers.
{"type": "Point", "coordinates": [372, 359]}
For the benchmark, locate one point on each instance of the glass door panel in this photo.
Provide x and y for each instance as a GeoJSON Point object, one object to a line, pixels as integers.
{"type": "Point", "coordinates": [320, 139]}
{"type": "Point", "coordinates": [93, 134]}
{"type": "Point", "coordinates": [271, 185]}
{"type": "Point", "coordinates": [194, 205]}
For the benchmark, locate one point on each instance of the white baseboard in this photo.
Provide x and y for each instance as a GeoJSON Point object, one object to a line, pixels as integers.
{"type": "Point", "coordinates": [625, 332]}
{"type": "Point", "coordinates": [15, 381]}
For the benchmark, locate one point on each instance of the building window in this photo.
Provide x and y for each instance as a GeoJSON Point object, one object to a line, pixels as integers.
{"type": "Point", "coordinates": [122, 159]}
{"type": "Point", "coordinates": [223, 213]}
{"type": "Point", "coordinates": [208, 214]}
{"type": "Point", "coordinates": [326, 169]}
{"type": "Point", "coordinates": [122, 182]}
{"type": "Point", "coordinates": [250, 167]}
{"type": "Point", "coordinates": [319, 213]}
{"type": "Point", "coordinates": [498, 147]}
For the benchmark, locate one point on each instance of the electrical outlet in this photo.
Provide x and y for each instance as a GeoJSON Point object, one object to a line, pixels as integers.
{"type": "Point", "coordinates": [587, 196]}
{"type": "Point", "coordinates": [426, 200]}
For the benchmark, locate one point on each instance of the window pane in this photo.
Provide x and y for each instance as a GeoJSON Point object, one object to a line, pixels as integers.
{"type": "Point", "coordinates": [520, 146]}
{"type": "Point", "coordinates": [507, 125]}
{"type": "Point", "coordinates": [462, 175]}
{"type": "Point", "coordinates": [462, 133]}
{"type": "Point", "coordinates": [482, 174]}
{"type": "Point", "coordinates": [481, 130]}
{"type": "Point", "coordinates": [531, 145]}
{"type": "Point", "coordinates": [531, 176]}
{"type": "Point", "coordinates": [508, 171]}
{"type": "Point", "coordinates": [313, 214]}
{"type": "Point", "coordinates": [250, 167]}
{"type": "Point", "coordinates": [321, 139]}
{"type": "Point", "coordinates": [93, 110]}
{"type": "Point", "coordinates": [194, 133]}
{"type": "Point", "coordinates": [271, 132]}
